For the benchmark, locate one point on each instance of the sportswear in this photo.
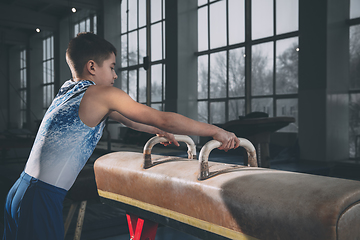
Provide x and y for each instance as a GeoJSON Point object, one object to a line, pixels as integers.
{"type": "Point", "coordinates": [63, 143]}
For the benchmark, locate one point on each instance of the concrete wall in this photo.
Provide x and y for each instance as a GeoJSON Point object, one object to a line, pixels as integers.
{"type": "Point", "coordinates": [4, 92]}
{"type": "Point", "coordinates": [14, 81]}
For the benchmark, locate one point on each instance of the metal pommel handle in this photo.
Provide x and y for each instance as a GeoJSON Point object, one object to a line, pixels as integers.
{"type": "Point", "coordinates": [155, 140]}
{"type": "Point", "coordinates": [209, 146]}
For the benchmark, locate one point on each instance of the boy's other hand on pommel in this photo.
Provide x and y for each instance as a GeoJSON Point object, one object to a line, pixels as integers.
{"type": "Point", "coordinates": [229, 140]}
{"type": "Point", "coordinates": [168, 136]}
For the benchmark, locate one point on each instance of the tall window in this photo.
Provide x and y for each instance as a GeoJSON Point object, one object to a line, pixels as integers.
{"type": "Point", "coordinates": [23, 87]}
{"type": "Point", "coordinates": [48, 71]}
{"type": "Point", "coordinates": [246, 66]}
{"type": "Point", "coordinates": [143, 47]}
{"type": "Point", "coordinates": [354, 91]}
{"type": "Point", "coordinates": [88, 24]}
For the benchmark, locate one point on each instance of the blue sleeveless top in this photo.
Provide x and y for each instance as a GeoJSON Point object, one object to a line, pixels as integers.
{"type": "Point", "coordinates": [63, 143]}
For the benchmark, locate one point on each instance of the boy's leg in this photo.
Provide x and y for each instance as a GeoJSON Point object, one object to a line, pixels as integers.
{"type": "Point", "coordinates": [13, 199]}
{"type": "Point", "coordinates": [38, 215]}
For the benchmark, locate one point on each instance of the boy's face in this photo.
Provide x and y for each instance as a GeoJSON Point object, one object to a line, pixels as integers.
{"type": "Point", "coordinates": [106, 75]}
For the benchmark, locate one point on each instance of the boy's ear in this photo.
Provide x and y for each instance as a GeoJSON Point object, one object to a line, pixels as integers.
{"type": "Point", "coordinates": [90, 67]}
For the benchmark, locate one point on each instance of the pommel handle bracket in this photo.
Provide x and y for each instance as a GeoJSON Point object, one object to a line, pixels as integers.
{"type": "Point", "coordinates": [155, 140]}
{"type": "Point", "coordinates": [209, 146]}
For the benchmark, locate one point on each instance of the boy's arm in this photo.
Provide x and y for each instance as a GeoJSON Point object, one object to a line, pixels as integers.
{"type": "Point", "coordinates": [142, 127]}
{"type": "Point", "coordinates": [100, 101]}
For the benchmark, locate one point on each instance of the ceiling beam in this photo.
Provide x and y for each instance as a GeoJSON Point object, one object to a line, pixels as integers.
{"type": "Point", "coordinates": [82, 4]}
{"type": "Point", "coordinates": [18, 17]}
{"type": "Point", "coordinates": [13, 37]}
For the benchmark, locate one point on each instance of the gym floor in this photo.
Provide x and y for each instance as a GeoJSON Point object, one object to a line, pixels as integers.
{"type": "Point", "coordinates": [103, 222]}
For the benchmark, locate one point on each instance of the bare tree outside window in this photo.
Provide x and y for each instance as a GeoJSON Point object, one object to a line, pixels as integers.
{"type": "Point", "coordinates": [354, 97]}
{"type": "Point", "coordinates": [287, 62]}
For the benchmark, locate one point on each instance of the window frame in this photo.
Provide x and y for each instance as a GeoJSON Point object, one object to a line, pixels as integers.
{"type": "Point", "coordinates": [146, 63]}
{"type": "Point", "coordinates": [247, 45]}
{"type": "Point", "coordinates": [48, 85]}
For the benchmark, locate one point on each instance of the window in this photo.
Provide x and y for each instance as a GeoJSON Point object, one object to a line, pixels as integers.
{"type": "Point", "coordinates": [143, 47]}
{"type": "Point", "coordinates": [23, 88]}
{"type": "Point", "coordinates": [246, 66]}
{"type": "Point", "coordinates": [354, 91]}
{"type": "Point", "coordinates": [48, 71]}
{"type": "Point", "coordinates": [88, 24]}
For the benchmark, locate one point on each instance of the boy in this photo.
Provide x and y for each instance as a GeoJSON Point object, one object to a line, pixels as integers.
{"type": "Point", "coordinates": [70, 130]}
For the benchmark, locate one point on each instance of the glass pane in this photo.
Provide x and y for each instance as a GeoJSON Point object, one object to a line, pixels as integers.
{"type": "Point", "coordinates": [133, 57]}
{"type": "Point", "coordinates": [156, 83]}
{"type": "Point", "coordinates": [142, 44]}
{"type": "Point", "coordinates": [201, 2]}
{"type": "Point", "coordinates": [124, 81]}
{"type": "Point", "coordinates": [262, 69]}
{"type": "Point", "coordinates": [157, 106]}
{"type": "Point", "coordinates": [133, 85]}
{"type": "Point", "coordinates": [289, 108]}
{"type": "Point", "coordinates": [95, 24]}
{"type": "Point", "coordinates": [124, 55]}
{"type": "Point", "coordinates": [52, 47]}
{"type": "Point", "coordinates": [262, 19]}
{"type": "Point", "coordinates": [44, 97]}
{"type": "Point", "coordinates": [203, 29]}
{"type": "Point", "coordinates": [88, 25]}
{"type": "Point", "coordinates": [218, 24]}
{"type": "Point", "coordinates": [202, 77]}
{"type": "Point", "coordinates": [132, 14]}
{"type": "Point", "coordinates": [218, 75]}
{"type": "Point", "coordinates": [48, 71]}
{"type": "Point", "coordinates": [236, 21]}
{"type": "Point", "coordinates": [262, 105]}
{"type": "Point", "coordinates": [48, 48]}
{"type": "Point", "coordinates": [354, 125]}
{"type": "Point", "coordinates": [287, 16]}
{"type": "Point", "coordinates": [44, 72]}
{"type": "Point", "coordinates": [142, 85]}
{"type": "Point", "coordinates": [49, 95]}
{"type": "Point", "coordinates": [156, 42]}
{"type": "Point", "coordinates": [124, 9]}
{"type": "Point", "coordinates": [44, 49]}
{"type": "Point", "coordinates": [142, 13]}
{"type": "Point", "coordinates": [217, 112]}
{"type": "Point", "coordinates": [354, 8]}
{"type": "Point", "coordinates": [155, 10]}
{"type": "Point", "coordinates": [355, 57]}
{"type": "Point", "coordinates": [237, 72]}
{"type": "Point", "coordinates": [236, 109]}
{"type": "Point", "coordinates": [287, 63]}
{"type": "Point", "coordinates": [76, 29]}
{"type": "Point", "coordinates": [203, 112]}
{"type": "Point", "coordinates": [52, 70]}
{"type": "Point", "coordinates": [82, 26]}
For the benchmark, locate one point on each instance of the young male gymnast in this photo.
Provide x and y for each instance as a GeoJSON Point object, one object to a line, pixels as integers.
{"type": "Point", "coordinates": [69, 132]}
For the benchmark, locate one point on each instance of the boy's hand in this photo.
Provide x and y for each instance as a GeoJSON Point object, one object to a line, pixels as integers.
{"type": "Point", "coordinates": [168, 136]}
{"type": "Point", "coordinates": [228, 139]}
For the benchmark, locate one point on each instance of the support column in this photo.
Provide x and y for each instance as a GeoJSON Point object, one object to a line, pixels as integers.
{"type": "Point", "coordinates": [181, 62]}
{"type": "Point", "coordinates": [323, 80]}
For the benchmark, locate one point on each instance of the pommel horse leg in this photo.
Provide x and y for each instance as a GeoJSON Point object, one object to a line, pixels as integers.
{"type": "Point", "coordinates": [141, 229]}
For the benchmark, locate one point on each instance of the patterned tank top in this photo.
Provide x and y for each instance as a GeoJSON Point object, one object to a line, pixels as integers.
{"type": "Point", "coordinates": [63, 143]}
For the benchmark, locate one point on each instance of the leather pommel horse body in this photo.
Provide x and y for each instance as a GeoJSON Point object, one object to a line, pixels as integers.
{"type": "Point", "coordinates": [213, 200]}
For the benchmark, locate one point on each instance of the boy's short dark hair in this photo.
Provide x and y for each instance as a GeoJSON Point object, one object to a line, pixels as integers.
{"type": "Point", "coordinates": [88, 46]}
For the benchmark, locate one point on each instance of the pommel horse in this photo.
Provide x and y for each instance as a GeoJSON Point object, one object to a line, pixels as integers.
{"type": "Point", "coordinates": [212, 200]}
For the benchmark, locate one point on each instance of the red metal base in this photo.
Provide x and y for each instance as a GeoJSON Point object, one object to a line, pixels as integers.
{"type": "Point", "coordinates": [144, 229]}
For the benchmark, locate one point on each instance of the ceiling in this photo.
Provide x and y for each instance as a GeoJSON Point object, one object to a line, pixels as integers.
{"type": "Point", "coordinates": [20, 18]}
